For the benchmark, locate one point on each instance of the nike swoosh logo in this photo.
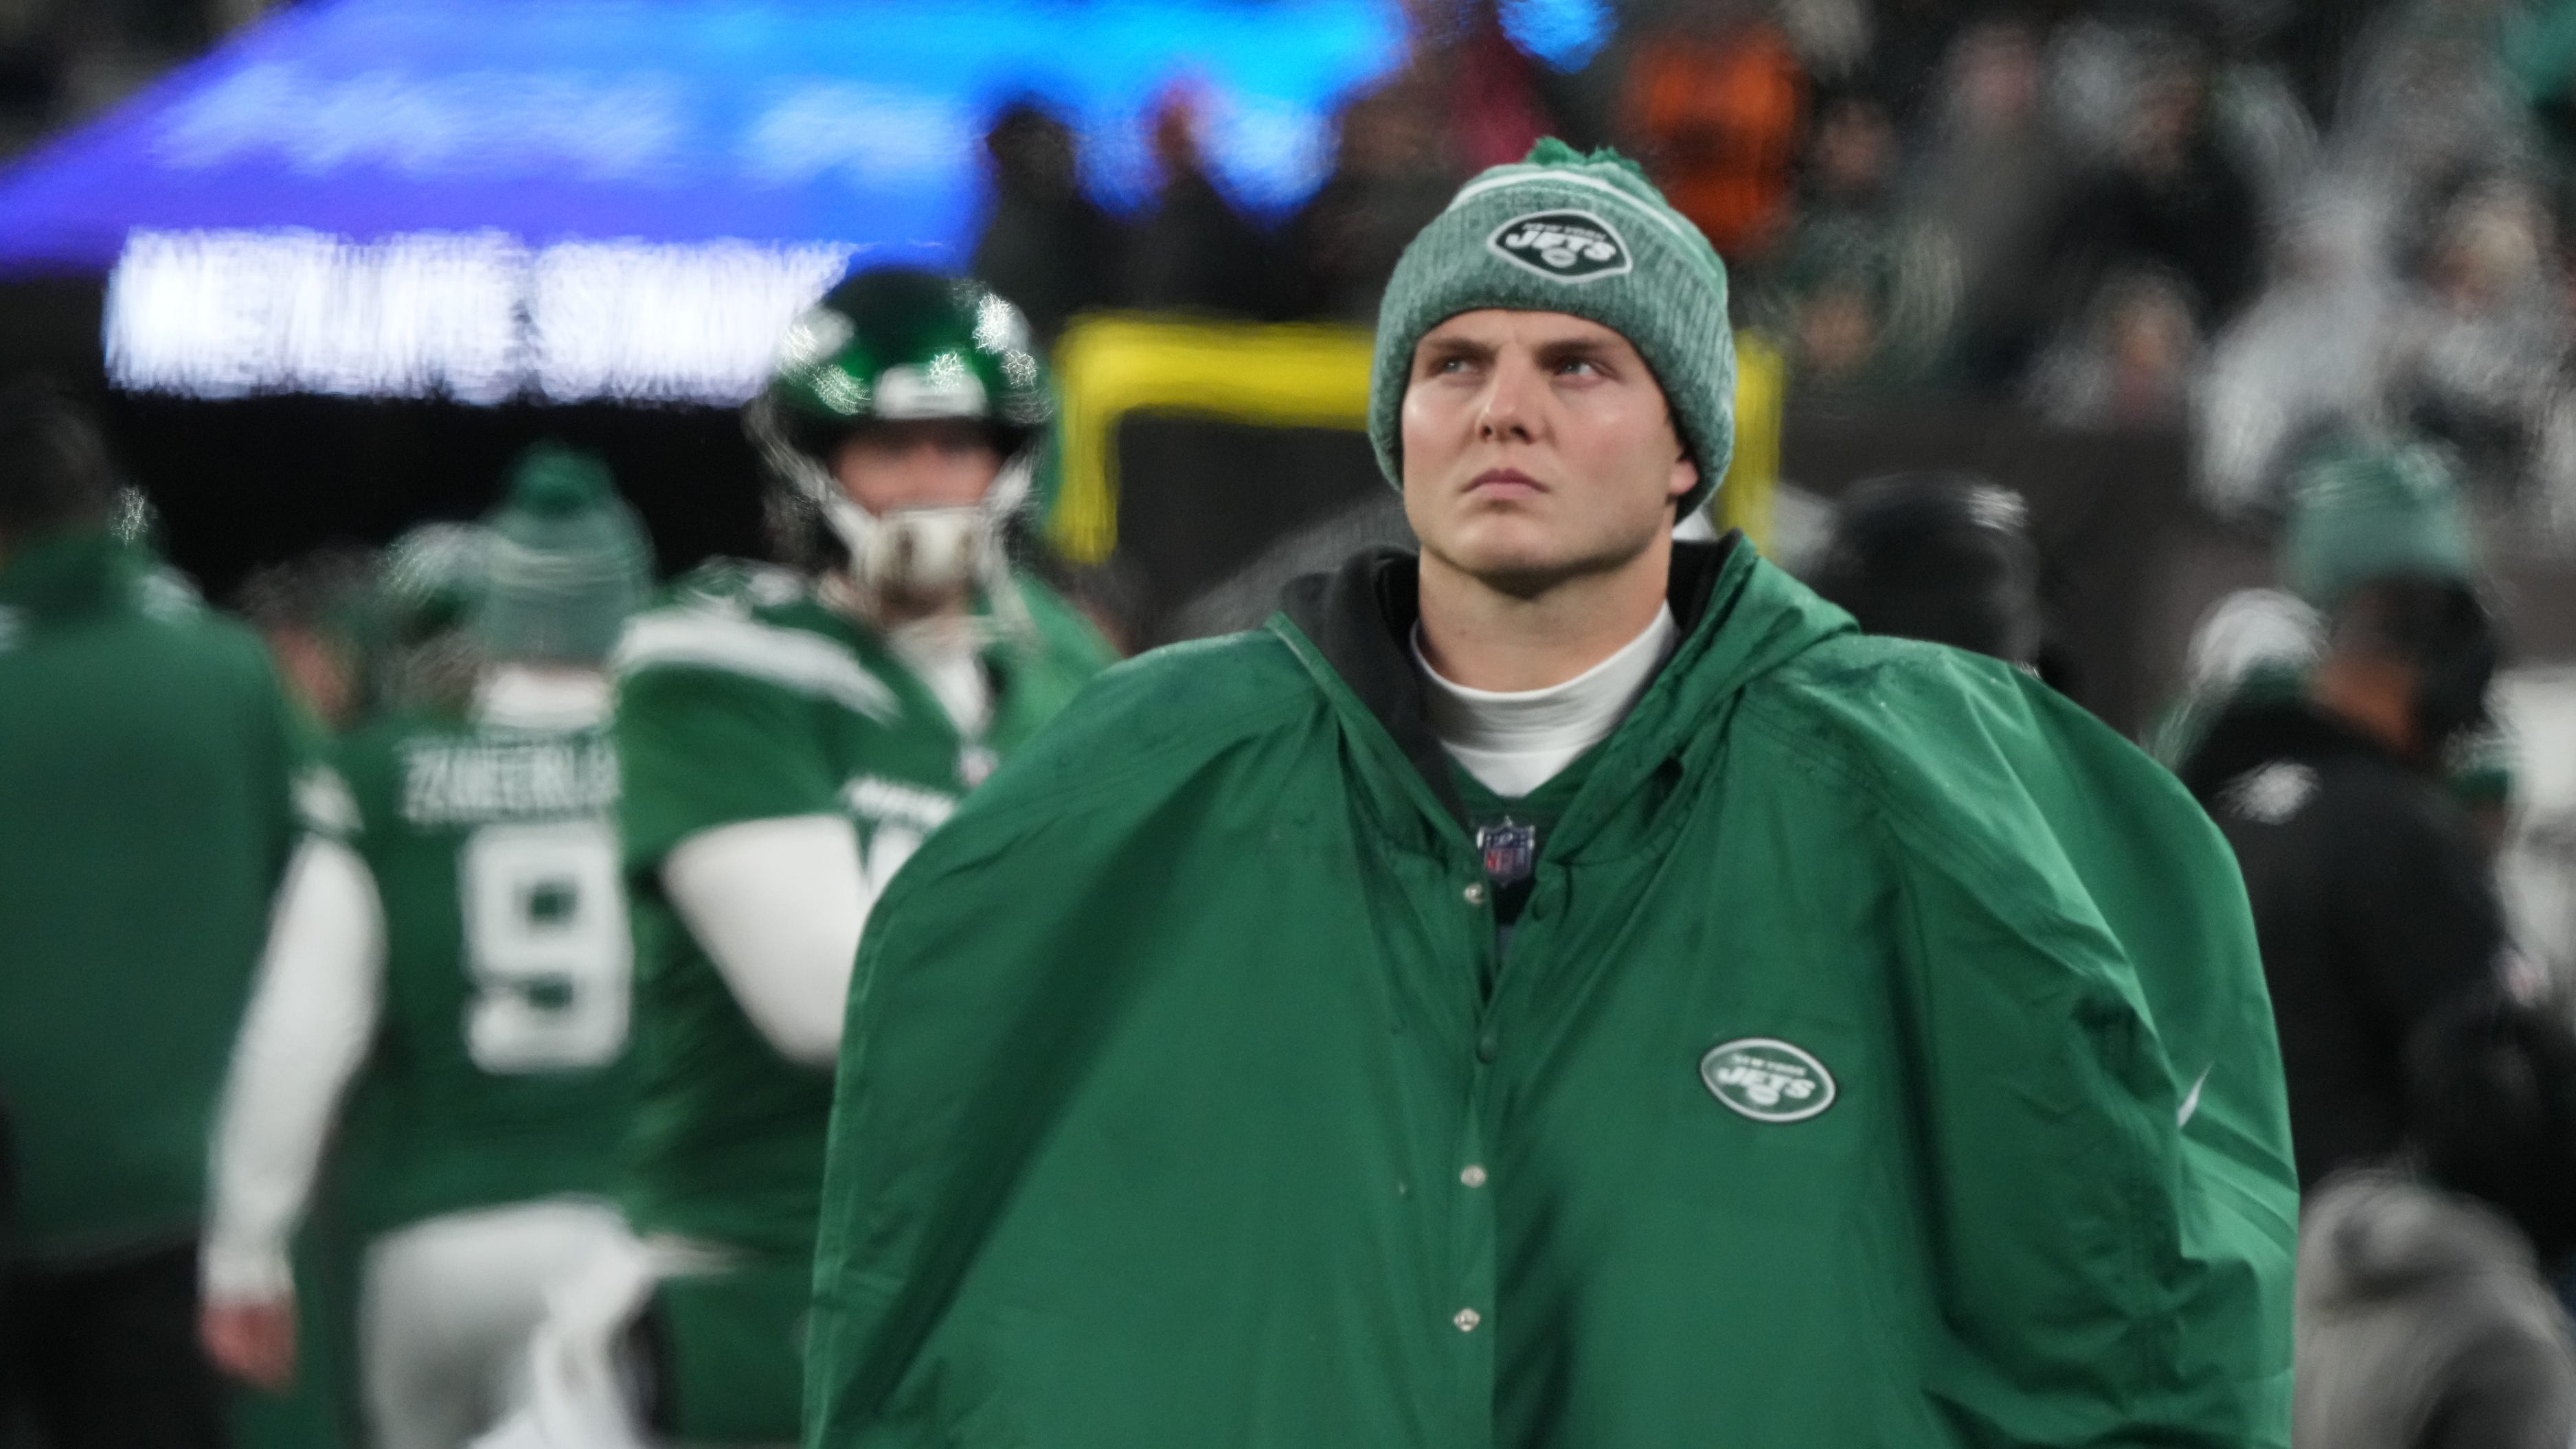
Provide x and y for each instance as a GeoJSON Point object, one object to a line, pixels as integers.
{"type": "Point", "coordinates": [2191, 1102]}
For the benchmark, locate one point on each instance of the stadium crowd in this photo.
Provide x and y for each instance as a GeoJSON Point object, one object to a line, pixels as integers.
{"type": "Point", "coordinates": [358, 952]}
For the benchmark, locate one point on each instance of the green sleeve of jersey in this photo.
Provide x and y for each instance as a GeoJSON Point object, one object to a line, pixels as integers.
{"type": "Point", "coordinates": [369, 763]}
{"type": "Point", "coordinates": [699, 748]}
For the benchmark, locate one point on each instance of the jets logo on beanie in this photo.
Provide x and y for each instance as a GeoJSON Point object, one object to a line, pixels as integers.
{"type": "Point", "coordinates": [1584, 235]}
{"type": "Point", "coordinates": [1570, 246]}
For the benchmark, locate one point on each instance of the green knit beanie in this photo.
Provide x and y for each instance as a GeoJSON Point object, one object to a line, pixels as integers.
{"type": "Point", "coordinates": [1585, 235]}
{"type": "Point", "coordinates": [2360, 513]}
{"type": "Point", "coordinates": [568, 561]}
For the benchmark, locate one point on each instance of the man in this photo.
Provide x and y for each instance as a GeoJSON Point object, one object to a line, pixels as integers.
{"type": "Point", "coordinates": [2371, 897]}
{"type": "Point", "coordinates": [788, 738]}
{"type": "Point", "coordinates": [318, 612]}
{"type": "Point", "coordinates": [2426, 1317]}
{"type": "Point", "coordinates": [1568, 988]}
{"type": "Point", "coordinates": [149, 763]}
{"type": "Point", "coordinates": [464, 957]}
{"type": "Point", "coordinates": [1940, 556]}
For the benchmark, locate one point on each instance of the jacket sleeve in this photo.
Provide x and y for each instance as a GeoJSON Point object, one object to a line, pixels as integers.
{"type": "Point", "coordinates": [2112, 1210]}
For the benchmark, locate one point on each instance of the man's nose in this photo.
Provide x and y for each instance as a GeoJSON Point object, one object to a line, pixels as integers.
{"type": "Point", "coordinates": [1509, 404]}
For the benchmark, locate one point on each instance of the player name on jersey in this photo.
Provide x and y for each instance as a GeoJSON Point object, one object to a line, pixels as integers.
{"type": "Point", "coordinates": [455, 782]}
{"type": "Point", "coordinates": [881, 801]}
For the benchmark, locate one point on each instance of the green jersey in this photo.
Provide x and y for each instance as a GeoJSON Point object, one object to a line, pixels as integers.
{"type": "Point", "coordinates": [498, 1072]}
{"type": "Point", "coordinates": [742, 696]}
{"type": "Point", "coordinates": [148, 769]}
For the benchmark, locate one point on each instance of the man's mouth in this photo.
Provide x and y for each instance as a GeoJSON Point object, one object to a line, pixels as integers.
{"type": "Point", "coordinates": [1504, 483]}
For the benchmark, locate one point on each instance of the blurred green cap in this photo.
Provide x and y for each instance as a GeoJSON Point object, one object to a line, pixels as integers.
{"type": "Point", "coordinates": [2360, 513]}
{"type": "Point", "coordinates": [568, 560]}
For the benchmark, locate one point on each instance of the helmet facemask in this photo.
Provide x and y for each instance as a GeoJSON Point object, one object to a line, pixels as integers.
{"type": "Point", "coordinates": [891, 347]}
{"type": "Point", "coordinates": [912, 556]}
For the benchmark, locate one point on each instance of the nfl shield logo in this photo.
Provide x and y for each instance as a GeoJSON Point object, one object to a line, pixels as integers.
{"type": "Point", "coordinates": [1510, 849]}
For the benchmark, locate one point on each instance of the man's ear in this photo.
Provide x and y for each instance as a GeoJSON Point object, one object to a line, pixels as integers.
{"type": "Point", "coordinates": [1685, 478]}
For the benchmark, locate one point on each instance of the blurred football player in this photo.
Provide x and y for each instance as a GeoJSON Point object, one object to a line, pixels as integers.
{"type": "Point", "coordinates": [789, 735]}
{"type": "Point", "coordinates": [152, 778]}
{"type": "Point", "coordinates": [450, 982]}
{"type": "Point", "coordinates": [319, 613]}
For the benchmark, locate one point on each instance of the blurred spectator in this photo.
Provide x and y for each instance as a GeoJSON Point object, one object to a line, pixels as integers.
{"type": "Point", "coordinates": [1832, 305]}
{"type": "Point", "coordinates": [2310, 357]}
{"type": "Point", "coordinates": [2372, 904]}
{"type": "Point", "coordinates": [1831, 37]}
{"type": "Point", "coordinates": [2481, 346]}
{"type": "Point", "coordinates": [1992, 183]}
{"type": "Point", "coordinates": [1493, 96]}
{"type": "Point", "coordinates": [2424, 1317]}
{"type": "Point", "coordinates": [1861, 292]}
{"type": "Point", "coordinates": [1939, 556]}
{"type": "Point", "coordinates": [2128, 362]}
{"type": "Point", "coordinates": [319, 614]}
{"type": "Point", "coordinates": [1046, 246]}
{"type": "Point", "coordinates": [1388, 181]}
{"type": "Point", "coordinates": [153, 773]}
{"type": "Point", "coordinates": [2167, 195]}
{"type": "Point", "coordinates": [1713, 105]}
{"type": "Point", "coordinates": [1192, 250]}
{"type": "Point", "coordinates": [2428, 97]}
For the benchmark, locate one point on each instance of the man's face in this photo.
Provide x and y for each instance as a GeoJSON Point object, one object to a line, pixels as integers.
{"type": "Point", "coordinates": [929, 463]}
{"type": "Point", "coordinates": [1537, 447]}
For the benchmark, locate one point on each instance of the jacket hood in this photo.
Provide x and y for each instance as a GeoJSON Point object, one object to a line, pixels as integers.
{"type": "Point", "coordinates": [70, 573]}
{"type": "Point", "coordinates": [2376, 1235]}
{"type": "Point", "coordinates": [1740, 618]}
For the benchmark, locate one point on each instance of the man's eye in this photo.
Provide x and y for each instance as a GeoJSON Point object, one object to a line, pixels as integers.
{"type": "Point", "coordinates": [1579, 367]}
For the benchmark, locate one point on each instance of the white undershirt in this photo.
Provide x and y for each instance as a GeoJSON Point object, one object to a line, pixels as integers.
{"type": "Point", "coordinates": [946, 652]}
{"type": "Point", "coordinates": [1514, 742]}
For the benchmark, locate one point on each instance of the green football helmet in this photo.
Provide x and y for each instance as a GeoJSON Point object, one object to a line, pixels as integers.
{"type": "Point", "coordinates": [895, 344]}
{"type": "Point", "coordinates": [430, 583]}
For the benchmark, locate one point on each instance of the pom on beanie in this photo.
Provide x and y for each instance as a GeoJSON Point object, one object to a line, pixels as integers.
{"type": "Point", "coordinates": [1589, 236]}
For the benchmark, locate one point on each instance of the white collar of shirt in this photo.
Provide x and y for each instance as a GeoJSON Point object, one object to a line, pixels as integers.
{"type": "Point", "coordinates": [518, 697]}
{"type": "Point", "coordinates": [1514, 742]}
{"type": "Point", "coordinates": [945, 652]}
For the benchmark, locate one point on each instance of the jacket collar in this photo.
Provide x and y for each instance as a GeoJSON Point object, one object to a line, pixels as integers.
{"type": "Point", "coordinates": [1738, 617]}
{"type": "Point", "coordinates": [71, 573]}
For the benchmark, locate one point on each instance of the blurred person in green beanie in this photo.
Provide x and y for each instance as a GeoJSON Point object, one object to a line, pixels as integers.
{"type": "Point", "coordinates": [789, 734]}
{"type": "Point", "coordinates": [2372, 894]}
{"type": "Point", "coordinates": [1562, 986]}
{"type": "Point", "coordinates": [154, 781]}
{"type": "Point", "coordinates": [447, 993]}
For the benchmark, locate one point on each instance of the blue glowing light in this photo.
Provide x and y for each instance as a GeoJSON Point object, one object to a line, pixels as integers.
{"type": "Point", "coordinates": [775, 121]}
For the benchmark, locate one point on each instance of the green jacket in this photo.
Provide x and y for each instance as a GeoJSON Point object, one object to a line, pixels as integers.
{"type": "Point", "coordinates": [1881, 1059]}
{"type": "Point", "coordinates": [148, 761]}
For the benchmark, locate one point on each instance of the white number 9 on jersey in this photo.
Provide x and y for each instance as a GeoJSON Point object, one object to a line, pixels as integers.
{"type": "Point", "coordinates": [546, 945]}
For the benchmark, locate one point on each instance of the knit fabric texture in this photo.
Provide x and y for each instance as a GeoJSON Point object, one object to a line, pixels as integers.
{"type": "Point", "coordinates": [568, 561]}
{"type": "Point", "coordinates": [2364, 513]}
{"type": "Point", "coordinates": [1584, 235]}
